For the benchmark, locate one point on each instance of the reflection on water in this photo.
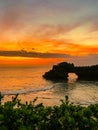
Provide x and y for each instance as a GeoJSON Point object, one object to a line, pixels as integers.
{"type": "Point", "coordinates": [83, 92]}
{"type": "Point", "coordinates": [30, 84]}
{"type": "Point", "coordinates": [22, 78]}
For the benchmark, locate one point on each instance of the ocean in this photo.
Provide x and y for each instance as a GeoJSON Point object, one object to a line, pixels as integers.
{"type": "Point", "coordinates": [29, 84]}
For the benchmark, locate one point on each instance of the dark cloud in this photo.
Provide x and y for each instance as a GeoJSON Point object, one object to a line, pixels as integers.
{"type": "Point", "coordinates": [23, 53]}
{"type": "Point", "coordinates": [90, 59]}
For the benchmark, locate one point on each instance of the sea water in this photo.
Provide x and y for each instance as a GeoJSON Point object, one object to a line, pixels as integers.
{"type": "Point", "coordinates": [29, 84]}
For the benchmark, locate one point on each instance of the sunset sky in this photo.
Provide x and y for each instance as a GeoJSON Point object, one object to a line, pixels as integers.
{"type": "Point", "coordinates": [44, 32]}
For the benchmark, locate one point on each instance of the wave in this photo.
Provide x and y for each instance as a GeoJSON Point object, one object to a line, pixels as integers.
{"type": "Point", "coordinates": [25, 91]}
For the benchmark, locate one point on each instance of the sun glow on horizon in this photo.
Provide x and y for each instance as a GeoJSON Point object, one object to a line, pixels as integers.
{"type": "Point", "coordinates": [21, 61]}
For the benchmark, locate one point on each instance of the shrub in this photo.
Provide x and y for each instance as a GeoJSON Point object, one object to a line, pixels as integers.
{"type": "Point", "coordinates": [28, 116]}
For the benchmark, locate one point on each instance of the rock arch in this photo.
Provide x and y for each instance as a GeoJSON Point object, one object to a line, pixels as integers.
{"type": "Point", "coordinates": [61, 70]}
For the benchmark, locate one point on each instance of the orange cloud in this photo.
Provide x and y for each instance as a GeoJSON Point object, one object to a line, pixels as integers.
{"type": "Point", "coordinates": [77, 50]}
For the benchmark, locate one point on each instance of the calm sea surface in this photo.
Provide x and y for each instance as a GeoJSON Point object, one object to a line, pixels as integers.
{"type": "Point", "coordinates": [28, 82]}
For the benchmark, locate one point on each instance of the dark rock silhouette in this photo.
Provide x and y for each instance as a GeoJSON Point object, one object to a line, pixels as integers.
{"type": "Point", "coordinates": [87, 72]}
{"type": "Point", "coordinates": [61, 70]}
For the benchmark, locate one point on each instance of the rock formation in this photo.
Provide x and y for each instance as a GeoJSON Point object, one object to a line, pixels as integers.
{"type": "Point", "coordinates": [61, 70]}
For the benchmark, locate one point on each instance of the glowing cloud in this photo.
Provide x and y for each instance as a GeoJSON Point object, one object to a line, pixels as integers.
{"type": "Point", "coordinates": [48, 29]}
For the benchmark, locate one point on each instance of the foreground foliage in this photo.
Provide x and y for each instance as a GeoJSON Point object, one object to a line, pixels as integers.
{"type": "Point", "coordinates": [15, 115]}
